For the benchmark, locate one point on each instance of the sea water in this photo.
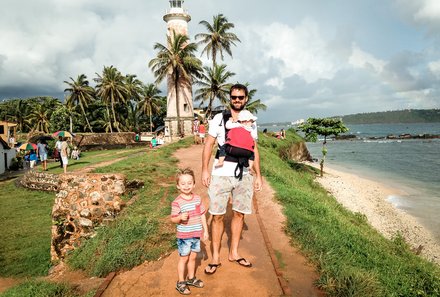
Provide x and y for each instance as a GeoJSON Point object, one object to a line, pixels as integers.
{"type": "Point", "coordinates": [412, 165]}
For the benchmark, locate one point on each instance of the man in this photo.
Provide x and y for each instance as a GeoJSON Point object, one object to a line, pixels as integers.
{"type": "Point", "coordinates": [222, 183]}
{"type": "Point", "coordinates": [42, 152]}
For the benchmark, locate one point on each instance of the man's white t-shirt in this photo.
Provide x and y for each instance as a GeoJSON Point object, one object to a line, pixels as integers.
{"type": "Point", "coordinates": [217, 130]}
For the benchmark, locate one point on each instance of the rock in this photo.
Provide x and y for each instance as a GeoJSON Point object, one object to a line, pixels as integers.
{"type": "Point", "coordinates": [85, 222]}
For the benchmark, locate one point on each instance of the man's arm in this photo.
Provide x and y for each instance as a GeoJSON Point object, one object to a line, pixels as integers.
{"type": "Point", "coordinates": [258, 182]}
{"type": "Point", "coordinates": [206, 157]}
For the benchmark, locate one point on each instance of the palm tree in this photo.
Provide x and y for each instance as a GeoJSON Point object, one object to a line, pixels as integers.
{"type": "Point", "coordinates": [218, 38]}
{"type": "Point", "coordinates": [112, 90]}
{"type": "Point", "coordinates": [150, 101]}
{"type": "Point", "coordinates": [178, 61]}
{"type": "Point", "coordinates": [19, 111]}
{"type": "Point", "coordinates": [80, 94]}
{"type": "Point", "coordinates": [254, 105]}
{"type": "Point", "coordinates": [214, 85]}
{"type": "Point", "coordinates": [39, 118]}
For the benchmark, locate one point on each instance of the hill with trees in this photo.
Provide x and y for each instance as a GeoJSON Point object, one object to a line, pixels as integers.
{"type": "Point", "coordinates": [396, 116]}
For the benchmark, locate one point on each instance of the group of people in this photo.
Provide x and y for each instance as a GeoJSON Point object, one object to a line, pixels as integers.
{"type": "Point", "coordinates": [61, 152]}
{"type": "Point", "coordinates": [199, 131]}
{"type": "Point", "coordinates": [235, 175]}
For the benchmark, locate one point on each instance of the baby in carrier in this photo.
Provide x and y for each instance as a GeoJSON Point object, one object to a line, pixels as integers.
{"type": "Point", "coordinates": [239, 142]}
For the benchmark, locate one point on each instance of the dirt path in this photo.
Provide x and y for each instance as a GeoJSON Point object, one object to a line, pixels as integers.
{"type": "Point", "coordinates": [262, 242]}
{"type": "Point", "coordinates": [158, 278]}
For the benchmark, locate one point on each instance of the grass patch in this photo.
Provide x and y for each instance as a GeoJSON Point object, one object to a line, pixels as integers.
{"type": "Point", "coordinates": [25, 217]}
{"type": "Point", "coordinates": [34, 288]}
{"type": "Point", "coordinates": [142, 231]}
{"type": "Point", "coordinates": [353, 259]}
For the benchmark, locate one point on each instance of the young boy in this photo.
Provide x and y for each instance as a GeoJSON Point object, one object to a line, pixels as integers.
{"type": "Point", "coordinates": [188, 212]}
{"type": "Point", "coordinates": [239, 143]}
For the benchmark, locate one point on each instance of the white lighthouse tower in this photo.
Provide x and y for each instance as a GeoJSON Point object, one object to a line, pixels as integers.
{"type": "Point", "coordinates": [177, 20]}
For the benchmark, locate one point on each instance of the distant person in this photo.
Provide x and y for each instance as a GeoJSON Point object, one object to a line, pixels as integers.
{"type": "Point", "coordinates": [75, 153]}
{"type": "Point", "coordinates": [12, 141]}
{"type": "Point", "coordinates": [160, 139]}
{"type": "Point", "coordinates": [282, 134]}
{"type": "Point", "coordinates": [42, 153]}
{"type": "Point", "coordinates": [195, 130]}
{"type": "Point", "coordinates": [202, 132]}
{"type": "Point", "coordinates": [265, 131]}
{"type": "Point", "coordinates": [64, 154]}
{"type": "Point", "coordinates": [154, 141]}
{"type": "Point", "coordinates": [188, 212]}
{"type": "Point", "coordinates": [240, 141]}
{"type": "Point", "coordinates": [58, 149]}
{"type": "Point", "coordinates": [32, 159]}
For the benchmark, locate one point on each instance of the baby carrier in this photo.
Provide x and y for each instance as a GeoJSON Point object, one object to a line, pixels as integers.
{"type": "Point", "coordinates": [239, 145]}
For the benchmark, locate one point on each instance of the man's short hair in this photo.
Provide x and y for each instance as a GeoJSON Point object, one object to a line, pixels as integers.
{"type": "Point", "coordinates": [239, 87]}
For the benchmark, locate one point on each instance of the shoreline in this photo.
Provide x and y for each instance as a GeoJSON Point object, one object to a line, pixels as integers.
{"type": "Point", "coordinates": [374, 200]}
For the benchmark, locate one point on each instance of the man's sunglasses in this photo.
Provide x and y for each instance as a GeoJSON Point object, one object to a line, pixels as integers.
{"type": "Point", "coordinates": [237, 97]}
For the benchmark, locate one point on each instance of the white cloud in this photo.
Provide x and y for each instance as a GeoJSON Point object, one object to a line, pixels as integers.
{"type": "Point", "coordinates": [428, 10]}
{"type": "Point", "coordinates": [434, 66]}
{"type": "Point", "coordinates": [362, 59]}
{"type": "Point", "coordinates": [301, 49]}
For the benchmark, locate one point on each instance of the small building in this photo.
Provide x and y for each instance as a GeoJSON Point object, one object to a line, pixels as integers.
{"type": "Point", "coordinates": [6, 155]}
{"type": "Point", "coordinates": [8, 132]}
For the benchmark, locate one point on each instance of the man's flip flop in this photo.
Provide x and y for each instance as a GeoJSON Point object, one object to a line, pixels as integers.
{"type": "Point", "coordinates": [240, 262]}
{"type": "Point", "coordinates": [212, 266]}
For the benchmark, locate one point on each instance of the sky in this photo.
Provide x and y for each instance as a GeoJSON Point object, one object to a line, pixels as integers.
{"type": "Point", "coordinates": [314, 58]}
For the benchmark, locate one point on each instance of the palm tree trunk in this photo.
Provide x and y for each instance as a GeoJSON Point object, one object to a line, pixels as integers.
{"type": "Point", "coordinates": [109, 120]}
{"type": "Point", "coordinates": [114, 116]}
{"type": "Point", "coordinates": [209, 109]}
{"type": "Point", "coordinates": [176, 85]}
{"type": "Point", "coordinates": [70, 123]}
{"type": "Point", "coordinates": [87, 120]}
{"type": "Point", "coordinates": [151, 119]}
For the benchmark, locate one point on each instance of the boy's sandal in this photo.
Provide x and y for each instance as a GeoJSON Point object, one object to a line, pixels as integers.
{"type": "Point", "coordinates": [198, 283]}
{"type": "Point", "coordinates": [182, 288]}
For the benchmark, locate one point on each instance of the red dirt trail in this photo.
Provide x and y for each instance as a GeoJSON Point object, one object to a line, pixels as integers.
{"type": "Point", "coordinates": [294, 278]}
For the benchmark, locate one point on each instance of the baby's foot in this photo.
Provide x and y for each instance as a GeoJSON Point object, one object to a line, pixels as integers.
{"type": "Point", "coordinates": [219, 164]}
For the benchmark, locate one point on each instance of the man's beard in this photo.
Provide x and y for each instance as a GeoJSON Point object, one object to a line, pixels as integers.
{"type": "Point", "coordinates": [236, 109]}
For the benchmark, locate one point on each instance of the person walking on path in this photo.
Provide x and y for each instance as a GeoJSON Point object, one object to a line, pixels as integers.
{"type": "Point", "coordinates": [64, 153]}
{"type": "Point", "coordinates": [42, 152]}
{"type": "Point", "coordinates": [222, 183]}
{"type": "Point", "coordinates": [58, 149]}
{"type": "Point", "coordinates": [188, 212]}
{"type": "Point", "coordinates": [202, 132]}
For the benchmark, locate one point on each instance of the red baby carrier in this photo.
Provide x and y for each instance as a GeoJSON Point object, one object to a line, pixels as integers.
{"type": "Point", "coordinates": [239, 146]}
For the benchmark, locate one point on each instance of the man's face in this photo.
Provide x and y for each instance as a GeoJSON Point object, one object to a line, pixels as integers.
{"type": "Point", "coordinates": [238, 99]}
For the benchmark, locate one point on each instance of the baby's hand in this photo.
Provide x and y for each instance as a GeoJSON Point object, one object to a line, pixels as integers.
{"type": "Point", "coordinates": [183, 216]}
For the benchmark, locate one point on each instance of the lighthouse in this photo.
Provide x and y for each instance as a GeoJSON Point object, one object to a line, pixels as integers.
{"type": "Point", "coordinates": [177, 19]}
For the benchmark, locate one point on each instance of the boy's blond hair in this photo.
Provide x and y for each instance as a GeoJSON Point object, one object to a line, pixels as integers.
{"type": "Point", "coordinates": [185, 171]}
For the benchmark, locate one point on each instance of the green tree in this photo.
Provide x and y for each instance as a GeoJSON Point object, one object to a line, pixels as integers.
{"type": "Point", "coordinates": [177, 60]}
{"type": "Point", "coordinates": [213, 84]}
{"type": "Point", "coordinates": [150, 101]}
{"type": "Point", "coordinates": [254, 105]}
{"type": "Point", "coordinates": [325, 127]}
{"type": "Point", "coordinates": [218, 37]}
{"type": "Point", "coordinates": [111, 89]}
{"type": "Point", "coordinates": [38, 119]}
{"type": "Point", "coordinates": [80, 93]}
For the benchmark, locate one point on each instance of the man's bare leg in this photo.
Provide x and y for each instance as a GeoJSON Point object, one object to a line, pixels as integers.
{"type": "Point", "coordinates": [217, 228]}
{"type": "Point", "coordinates": [236, 228]}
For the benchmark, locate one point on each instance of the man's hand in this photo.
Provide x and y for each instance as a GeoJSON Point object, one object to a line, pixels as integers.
{"type": "Point", "coordinates": [206, 178]}
{"type": "Point", "coordinates": [258, 183]}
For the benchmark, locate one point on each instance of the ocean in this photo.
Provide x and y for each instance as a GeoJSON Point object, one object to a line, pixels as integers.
{"type": "Point", "coordinates": [412, 165]}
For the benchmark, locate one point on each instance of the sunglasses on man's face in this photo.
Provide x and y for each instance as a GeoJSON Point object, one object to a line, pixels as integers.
{"type": "Point", "coordinates": [237, 97]}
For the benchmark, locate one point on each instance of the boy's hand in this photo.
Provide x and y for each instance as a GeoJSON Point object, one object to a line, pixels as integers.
{"type": "Point", "coordinates": [183, 216]}
{"type": "Point", "coordinates": [205, 235]}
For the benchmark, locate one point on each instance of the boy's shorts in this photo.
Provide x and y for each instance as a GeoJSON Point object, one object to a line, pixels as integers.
{"type": "Point", "coordinates": [187, 245]}
{"type": "Point", "coordinates": [221, 187]}
{"type": "Point", "coordinates": [43, 157]}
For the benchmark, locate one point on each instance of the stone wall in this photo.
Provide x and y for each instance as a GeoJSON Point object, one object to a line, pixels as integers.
{"type": "Point", "coordinates": [41, 181]}
{"type": "Point", "coordinates": [82, 203]}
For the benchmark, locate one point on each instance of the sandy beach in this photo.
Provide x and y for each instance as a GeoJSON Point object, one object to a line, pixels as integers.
{"type": "Point", "coordinates": [371, 198]}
